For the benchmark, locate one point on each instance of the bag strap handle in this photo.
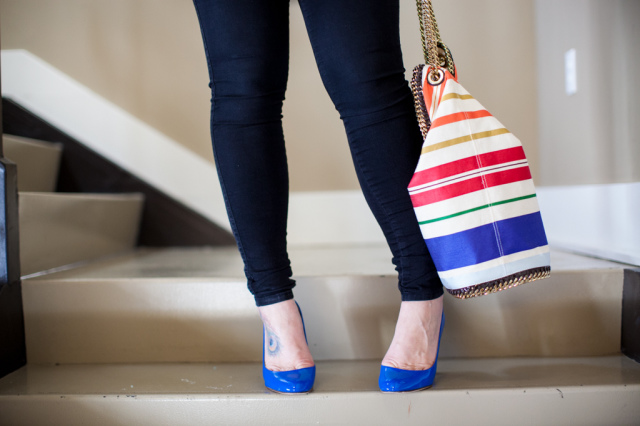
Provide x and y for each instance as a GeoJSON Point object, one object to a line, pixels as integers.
{"type": "Point", "coordinates": [432, 44]}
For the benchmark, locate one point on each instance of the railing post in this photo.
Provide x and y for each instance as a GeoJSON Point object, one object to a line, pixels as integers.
{"type": "Point", "coordinates": [12, 341]}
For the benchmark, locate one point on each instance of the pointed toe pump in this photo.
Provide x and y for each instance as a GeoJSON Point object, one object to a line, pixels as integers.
{"type": "Point", "coordinates": [291, 381]}
{"type": "Point", "coordinates": [398, 380]}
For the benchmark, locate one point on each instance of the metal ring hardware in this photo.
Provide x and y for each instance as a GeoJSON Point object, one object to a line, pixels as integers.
{"type": "Point", "coordinates": [435, 81]}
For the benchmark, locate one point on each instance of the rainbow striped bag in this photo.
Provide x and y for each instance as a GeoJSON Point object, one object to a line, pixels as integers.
{"type": "Point", "coordinates": [472, 189]}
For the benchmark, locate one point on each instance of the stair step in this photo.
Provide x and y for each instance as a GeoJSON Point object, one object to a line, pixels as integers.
{"type": "Point", "coordinates": [498, 391]}
{"type": "Point", "coordinates": [58, 229]}
{"type": "Point", "coordinates": [37, 161]}
{"type": "Point", "coordinates": [192, 305]}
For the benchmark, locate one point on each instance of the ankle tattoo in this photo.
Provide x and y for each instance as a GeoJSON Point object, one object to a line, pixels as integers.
{"type": "Point", "coordinates": [273, 343]}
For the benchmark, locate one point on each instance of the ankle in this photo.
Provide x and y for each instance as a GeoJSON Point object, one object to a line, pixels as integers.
{"type": "Point", "coordinates": [416, 338]}
{"type": "Point", "coordinates": [285, 345]}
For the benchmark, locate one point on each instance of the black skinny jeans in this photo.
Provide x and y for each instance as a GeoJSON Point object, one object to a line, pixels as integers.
{"type": "Point", "coordinates": [357, 48]}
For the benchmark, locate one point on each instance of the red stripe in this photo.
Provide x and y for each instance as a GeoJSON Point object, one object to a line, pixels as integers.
{"type": "Point", "coordinates": [470, 185]}
{"type": "Point", "coordinates": [459, 116]}
{"type": "Point", "coordinates": [467, 164]}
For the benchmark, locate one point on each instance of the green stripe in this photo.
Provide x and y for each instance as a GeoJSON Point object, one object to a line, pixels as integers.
{"type": "Point", "coordinates": [477, 208]}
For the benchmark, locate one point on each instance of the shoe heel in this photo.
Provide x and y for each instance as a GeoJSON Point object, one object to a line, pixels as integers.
{"type": "Point", "coordinates": [291, 381]}
{"type": "Point", "coordinates": [398, 380]}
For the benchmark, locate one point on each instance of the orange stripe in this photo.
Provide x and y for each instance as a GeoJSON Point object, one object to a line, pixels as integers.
{"type": "Point", "coordinates": [459, 116]}
{"type": "Point", "coordinates": [429, 90]}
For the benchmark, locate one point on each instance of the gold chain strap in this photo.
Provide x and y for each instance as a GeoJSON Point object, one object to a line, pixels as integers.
{"type": "Point", "coordinates": [426, 15]}
{"type": "Point", "coordinates": [431, 41]}
{"type": "Point", "coordinates": [418, 101]}
{"type": "Point", "coordinates": [422, 36]}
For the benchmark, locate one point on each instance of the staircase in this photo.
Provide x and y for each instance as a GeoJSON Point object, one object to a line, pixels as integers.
{"type": "Point", "coordinates": [58, 229]}
{"type": "Point", "coordinates": [119, 335]}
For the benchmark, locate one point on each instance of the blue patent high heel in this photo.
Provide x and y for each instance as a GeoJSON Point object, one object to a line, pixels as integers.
{"type": "Point", "coordinates": [398, 380]}
{"type": "Point", "coordinates": [291, 381]}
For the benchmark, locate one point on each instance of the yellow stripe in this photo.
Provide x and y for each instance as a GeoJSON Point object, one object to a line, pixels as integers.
{"type": "Point", "coordinates": [455, 95]}
{"type": "Point", "coordinates": [463, 139]}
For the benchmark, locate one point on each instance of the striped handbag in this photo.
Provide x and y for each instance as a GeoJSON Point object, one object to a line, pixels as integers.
{"type": "Point", "coordinates": [472, 190]}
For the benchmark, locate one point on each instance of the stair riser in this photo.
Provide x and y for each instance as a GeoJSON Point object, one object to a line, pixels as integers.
{"type": "Point", "coordinates": [58, 229]}
{"type": "Point", "coordinates": [191, 320]}
{"type": "Point", "coordinates": [38, 162]}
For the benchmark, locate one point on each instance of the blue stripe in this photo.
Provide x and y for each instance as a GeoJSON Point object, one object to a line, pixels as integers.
{"type": "Point", "coordinates": [480, 244]}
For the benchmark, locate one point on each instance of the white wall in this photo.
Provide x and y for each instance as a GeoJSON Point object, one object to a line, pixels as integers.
{"type": "Point", "coordinates": [592, 137]}
{"type": "Point", "coordinates": [590, 141]}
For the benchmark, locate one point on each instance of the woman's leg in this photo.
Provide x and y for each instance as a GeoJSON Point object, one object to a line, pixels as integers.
{"type": "Point", "coordinates": [357, 47]}
{"type": "Point", "coordinates": [247, 48]}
